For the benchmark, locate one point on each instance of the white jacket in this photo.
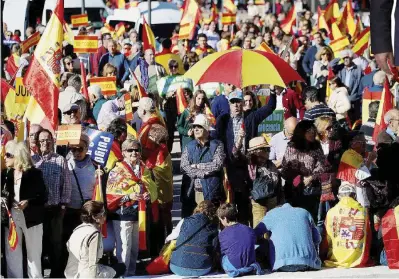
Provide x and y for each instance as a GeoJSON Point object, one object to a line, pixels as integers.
{"type": "Point", "coordinates": [339, 102]}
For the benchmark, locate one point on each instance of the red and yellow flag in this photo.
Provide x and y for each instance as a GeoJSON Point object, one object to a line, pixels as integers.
{"type": "Point", "coordinates": [321, 21]}
{"type": "Point", "coordinates": [79, 20]}
{"type": "Point", "coordinates": [181, 101]}
{"type": "Point", "coordinates": [107, 84]}
{"type": "Point", "coordinates": [30, 42]}
{"type": "Point", "coordinates": [347, 22]}
{"type": "Point", "coordinates": [227, 187]}
{"type": "Point", "coordinates": [386, 104]}
{"type": "Point", "coordinates": [214, 12]}
{"type": "Point", "coordinates": [368, 97]}
{"type": "Point", "coordinates": [350, 163]}
{"type": "Point", "coordinates": [339, 44]}
{"type": "Point", "coordinates": [228, 18]}
{"type": "Point", "coordinates": [98, 196]}
{"type": "Point", "coordinates": [85, 44]}
{"type": "Point", "coordinates": [120, 29]}
{"type": "Point", "coordinates": [229, 6]}
{"type": "Point", "coordinates": [142, 226]}
{"type": "Point", "coordinates": [390, 236]}
{"type": "Point", "coordinates": [329, 77]}
{"type": "Point", "coordinates": [210, 116]}
{"type": "Point", "coordinates": [332, 11]}
{"type": "Point", "coordinates": [264, 47]}
{"type": "Point", "coordinates": [68, 33]}
{"type": "Point", "coordinates": [190, 18]}
{"type": "Point", "coordinates": [140, 88]}
{"type": "Point", "coordinates": [335, 31]}
{"type": "Point", "coordinates": [361, 42]}
{"type": "Point", "coordinates": [115, 155]}
{"type": "Point", "coordinates": [12, 231]}
{"type": "Point", "coordinates": [43, 76]}
{"type": "Point", "coordinates": [148, 36]}
{"type": "Point", "coordinates": [289, 21]}
{"type": "Point", "coordinates": [13, 65]}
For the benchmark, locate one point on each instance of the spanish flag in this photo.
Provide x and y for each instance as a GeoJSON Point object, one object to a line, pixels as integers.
{"type": "Point", "coordinates": [142, 226]}
{"type": "Point", "coordinates": [120, 29]}
{"type": "Point", "coordinates": [289, 21]}
{"type": "Point", "coordinates": [361, 42]}
{"type": "Point", "coordinates": [12, 231]}
{"type": "Point", "coordinates": [390, 236]}
{"type": "Point", "coordinates": [140, 88]}
{"type": "Point", "coordinates": [210, 116]}
{"type": "Point", "coordinates": [148, 36]}
{"type": "Point", "coordinates": [229, 6]}
{"type": "Point", "coordinates": [386, 104]}
{"type": "Point", "coordinates": [190, 18]}
{"type": "Point", "coordinates": [214, 12]}
{"type": "Point", "coordinates": [181, 101]}
{"type": "Point", "coordinates": [335, 31]}
{"type": "Point", "coordinates": [347, 22]}
{"type": "Point", "coordinates": [115, 155]}
{"type": "Point", "coordinates": [43, 76]}
{"type": "Point", "coordinates": [332, 11]}
{"type": "Point", "coordinates": [229, 18]}
{"type": "Point", "coordinates": [339, 44]}
{"type": "Point", "coordinates": [98, 196]}
{"type": "Point", "coordinates": [13, 65]}
{"type": "Point", "coordinates": [321, 20]}
{"type": "Point", "coordinates": [264, 47]}
{"type": "Point", "coordinates": [68, 33]}
{"type": "Point", "coordinates": [350, 163]}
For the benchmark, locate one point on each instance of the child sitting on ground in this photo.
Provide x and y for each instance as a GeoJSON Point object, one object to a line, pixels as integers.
{"type": "Point", "coordinates": [237, 244]}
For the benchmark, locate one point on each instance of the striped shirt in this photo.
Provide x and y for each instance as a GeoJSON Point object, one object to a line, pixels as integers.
{"type": "Point", "coordinates": [317, 111]}
{"type": "Point", "coordinates": [56, 177]}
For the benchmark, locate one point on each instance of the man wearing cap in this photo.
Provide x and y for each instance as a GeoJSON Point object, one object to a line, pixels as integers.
{"type": "Point", "coordinates": [348, 231]}
{"type": "Point", "coordinates": [71, 114]}
{"type": "Point", "coordinates": [350, 74]}
{"type": "Point", "coordinates": [202, 161]}
{"type": "Point", "coordinates": [235, 130]}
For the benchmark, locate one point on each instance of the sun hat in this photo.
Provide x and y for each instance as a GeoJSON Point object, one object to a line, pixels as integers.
{"type": "Point", "coordinates": [257, 142]}
{"type": "Point", "coordinates": [346, 188]}
{"type": "Point", "coordinates": [203, 121]}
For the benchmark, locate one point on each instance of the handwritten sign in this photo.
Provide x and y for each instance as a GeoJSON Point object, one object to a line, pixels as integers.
{"type": "Point", "coordinates": [79, 20]}
{"type": "Point", "coordinates": [69, 134]}
{"type": "Point", "coordinates": [22, 95]}
{"type": "Point", "coordinates": [107, 84]}
{"type": "Point", "coordinates": [30, 42]}
{"type": "Point", "coordinates": [100, 145]}
{"type": "Point", "coordinates": [85, 44]}
{"type": "Point", "coordinates": [273, 124]}
{"type": "Point", "coordinates": [128, 107]}
{"type": "Point", "coordinates": [172, 83]}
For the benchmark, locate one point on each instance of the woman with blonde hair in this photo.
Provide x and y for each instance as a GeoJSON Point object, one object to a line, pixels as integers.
{"type": "Point", "coordinates": [24, 194]}
{"type": "Point", "coordinates": [339, 101]}
{"type": "Point", "coordinates": [109, 70]}
{"type": "Point", "coordinates": [197, 105]}
{"type": "Point", "coordinates": [320, 66]}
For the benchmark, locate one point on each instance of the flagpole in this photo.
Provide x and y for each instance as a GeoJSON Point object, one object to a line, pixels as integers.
{"type": "Point", "coordinates": [149, 13]}
{"type": "Point", "coordinates": [83, 6]}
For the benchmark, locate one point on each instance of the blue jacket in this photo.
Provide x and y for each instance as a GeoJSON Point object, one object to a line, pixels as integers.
{"type": "Point", "coordinates": [354, 82]}
{"type": "Point", "coordinates": [367, 81]}
{"type": "Point", "coordinates": [196, 243]}
{"type": "Point", "coordinates": [211, 185]}
{"type": "Point", "coordinates": [294, 237]}
{"type": "Point", "coordinates": [308, 60]}
{"type": "Point", "coordinates": [220, 105]}
{"type": "Point", "coordinates": [119, 61]}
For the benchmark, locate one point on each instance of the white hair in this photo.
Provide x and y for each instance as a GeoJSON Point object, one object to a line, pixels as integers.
{"type": "Point", "coordinates": [390, 114]}
{"type": "Point", "coordinates": [22, 159]}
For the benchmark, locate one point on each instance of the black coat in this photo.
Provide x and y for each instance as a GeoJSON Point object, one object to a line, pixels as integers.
{"type": "Point", "coordinates": [380, 26]}
{"type": "Point", "coordinates": [32, 189]}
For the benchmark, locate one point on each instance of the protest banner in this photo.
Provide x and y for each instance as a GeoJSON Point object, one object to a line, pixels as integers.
{"type": "Point", "coordinates": [30, 42]}
{"type": "Point", "coordinates": [100, 145]}
{"type": "Point", "coordinates": [22, 95]}
{"type": "Point", "coordinates": [172, 83]}
{"type": "Point", "coordinates": [273, 124]}
{"type": "Point", "coordinates": [128, 107]}
{"type": "Point", "coordinates": [85, 44]}
{"type": "Point", "coordinates": [107, 84]}
{"type": "Point", "coordinates": [79, 20]}
{"type": "Point", "coordinates": [69, 134]}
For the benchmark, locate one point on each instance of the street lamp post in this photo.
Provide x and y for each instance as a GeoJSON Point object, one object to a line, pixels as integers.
{"type": "Point", "coordinates": [83, 6]}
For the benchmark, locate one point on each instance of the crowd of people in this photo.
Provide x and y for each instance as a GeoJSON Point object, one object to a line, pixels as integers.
{"type": "Point", "coordinates": [317, 193]}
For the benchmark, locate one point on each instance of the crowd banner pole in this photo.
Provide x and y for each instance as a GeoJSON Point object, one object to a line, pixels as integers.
{"type": "Point", "coordinates": [83, 6]}
{"type": "Point", "coordinates": [84, 83]}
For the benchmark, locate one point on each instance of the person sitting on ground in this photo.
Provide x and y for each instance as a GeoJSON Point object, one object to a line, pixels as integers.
{"type": "Point", "coordinates": [196, 242]}
{"type": "Point", "coordinates": [348, 231]}
{"type": "Point", "coordinates": [238, 254]}
{"type": "Point", "coordinates": [294, 239]}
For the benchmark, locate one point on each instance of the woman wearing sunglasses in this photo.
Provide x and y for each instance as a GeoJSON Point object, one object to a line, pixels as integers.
{"type": "Point", "coordinates": [129, 183]}
{"type": "Point", "coordinates": [24, 194]}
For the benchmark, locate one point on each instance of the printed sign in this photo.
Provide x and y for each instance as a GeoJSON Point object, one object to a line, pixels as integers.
{"type": "Point", "coordinates": [128, 107]}
{"type": "Point", "coordinates": [69, 134]}
{"type": "Point", "coordinates": [172, 83]}
{"type": "Point", "coordinates": [273, 124]}
{"type": "Point", "coordinates": [22, 95]}
{"type": "Point", "coordinates": [79, 20]}
{"type": "Point", "coordinates": [30, 42]}
{"type": "Point", "coordinates": [85, 44]}
{"type": "Point", "coordinates": [100, 145]}
{"type": "Point", "coordinates": [107, 84]}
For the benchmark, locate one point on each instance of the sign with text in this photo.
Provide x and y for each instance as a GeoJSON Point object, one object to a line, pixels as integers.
{"type": "Point", "coordinates": [107, 84]}
{"type": "Point", "coordinates": [69, 134]}
{"type": "Point", "coordinates": [100, 145]}
{"type": "Point", "coordinates": [172, 83]}
{"type": "Point", "coordinates": [30, 42]}
{"type": "Point", "coordinates": [79, 20]}
{"type": "Point", "coordinates": [22, 95]}
{"type": "Point", "coordinates": [128, 107]}
{"type": "Point", "coordinates": [273, 124]}
{"type": "Point", "coordinates": [85, 44]}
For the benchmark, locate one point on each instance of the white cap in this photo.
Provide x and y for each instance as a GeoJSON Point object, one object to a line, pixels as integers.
{"type": "Point", "coordinates": [147, 104]}
{"type": "Point", "coordinates": [95, 90]}
{"type": "Point", "coordinates": [203, 121]}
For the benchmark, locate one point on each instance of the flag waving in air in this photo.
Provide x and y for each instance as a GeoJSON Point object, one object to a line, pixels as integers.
{"type": "Point", "coordinates": [42, 79]}
{"type": "Point", "coordinates": [289, 21]}
{"type": "Point", "coordinates": [190, 18]}
{"type": "Point", "coordinates": [148, 36]}
{"type": "Point", "coordinates": [386, 104]}
{"type": "Point", "coordinates": [12, 231]}
{"type": "Point", "coordinates": [181, 101]}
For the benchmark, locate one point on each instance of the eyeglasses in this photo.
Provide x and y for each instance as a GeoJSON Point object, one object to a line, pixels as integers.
{"type": "Point", "coordinates": [69, 112]}
{"type": "Point", "coordinates": [77, 149]}
{"type": "Point", "coordinates": [324, 54]}
{"type": "Point", "coordinates": [45, 140]}
{"type": "Point", "coordinates": [173, 66]}
{"type": "Point", "coordinates": [130, 150]}
{"type": "Point", "coordinates": [9, 155]}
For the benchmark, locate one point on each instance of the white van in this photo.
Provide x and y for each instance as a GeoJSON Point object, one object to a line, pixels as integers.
{"type": "Point", "coordinates": [94, 9]}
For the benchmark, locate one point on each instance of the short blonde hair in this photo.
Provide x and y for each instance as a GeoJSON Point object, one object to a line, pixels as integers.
{"type": "Point", "coordinates": [22, 159]}
{"type": "Point", "coordinates": [322, 124]}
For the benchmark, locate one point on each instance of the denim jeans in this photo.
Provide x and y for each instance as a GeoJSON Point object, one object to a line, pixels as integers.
{"type": "Point", "coordinates": [232, 271]}
{"type": "Point", "coordinates": [324, 207]}
{"type": "Point", "coordinates": [182, 271]}
{"type": "Point", "coordinates": [294, 268]}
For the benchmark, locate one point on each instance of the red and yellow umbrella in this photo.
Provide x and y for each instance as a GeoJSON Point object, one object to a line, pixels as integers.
{"type": "Point", "coordinates": [243, 68]}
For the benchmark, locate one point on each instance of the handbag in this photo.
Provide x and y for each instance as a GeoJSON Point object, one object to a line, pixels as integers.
{"type": "Point", "coordinates": [263, 186]}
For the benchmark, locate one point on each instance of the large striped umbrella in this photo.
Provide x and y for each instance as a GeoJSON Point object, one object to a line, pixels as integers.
{"type": "Point", "coordinates": [243, 68]}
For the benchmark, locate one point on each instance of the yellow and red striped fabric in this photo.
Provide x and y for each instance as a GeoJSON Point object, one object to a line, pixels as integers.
{"type": "Point", "coordinates": [350, 163]}
{"type": "Point", "coordinates": [79, 20]}
{"type": "Point", "coordinates": [13, 65]}
{"type": "Point", "coordinates": [332, 11]}
{"type": "Point", "coordinates": [329, 77]}
{"type": "Point", "coordinates": [107, 84]}
{"type": "Point", "coordinates": [43, 75]}
{"type": "Point", "coordinates": [339, 44]}
{"type": "Point", "coordinates": [210, 116]}
{"type": "Point", "coordinates": [361, 42]}
{"type": "Point", "coordinates": [142, 226]}
{"type": "Point", "coordinates": [347, 22]}
{"type": "Point", "coordinates": [30, 42]}
{"type": "Point", "coordinates": [390, 236]}
{"type": "Point", "coordinates": [12, 235]}
{"type": "Point", "coordinates": [386, 104]}
{"type": "Point", "coordinates": [98, 196]}
{"type": "Point", "coordinates": [115, 155]}
{"type": "Point", "coordinates": [229, 18]}
{"type": "Point", "coordinates": [181, 101]}
{"type": "Point", "coordinates": [289, 21]}
{"type": "Point", "coordinates": [148, 36]}
{"type": "Point", "coordinates": [190, 18]}
{"type": "Point", "coordinates": [229, 6]}
{"type": "Point", "coordinates": [227, 187]}
{"type": "Point", "coordinates": [321, 20]}
{"type": "Point", "coordinates": [264, 47]}
{"type": "Point", "coordinates": [85, 44]}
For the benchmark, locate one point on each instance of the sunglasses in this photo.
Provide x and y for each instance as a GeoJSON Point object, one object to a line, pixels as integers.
{"type": "Point", "coordinates": [71, 111]}
{"type": "Point", "coordinates": [45, 140]}
{"type": "Point", "coordinates": [130, 150]}
{"type": "Point", "coordinates": [68, 63]}
{"type": "Point", "coordinates": [235, 101]}
{"type": "Point", "coordinates": [76, 149]}
{"type": "Point", "coordinates": [174, 67]}
{"type": "Point", "coordinates": [9, 155]}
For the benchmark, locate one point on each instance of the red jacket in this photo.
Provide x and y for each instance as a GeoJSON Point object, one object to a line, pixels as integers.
{"type": "Point", "coordinates": [95, 60]}
{"type": "Point", "coordinates": [291, 103]}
